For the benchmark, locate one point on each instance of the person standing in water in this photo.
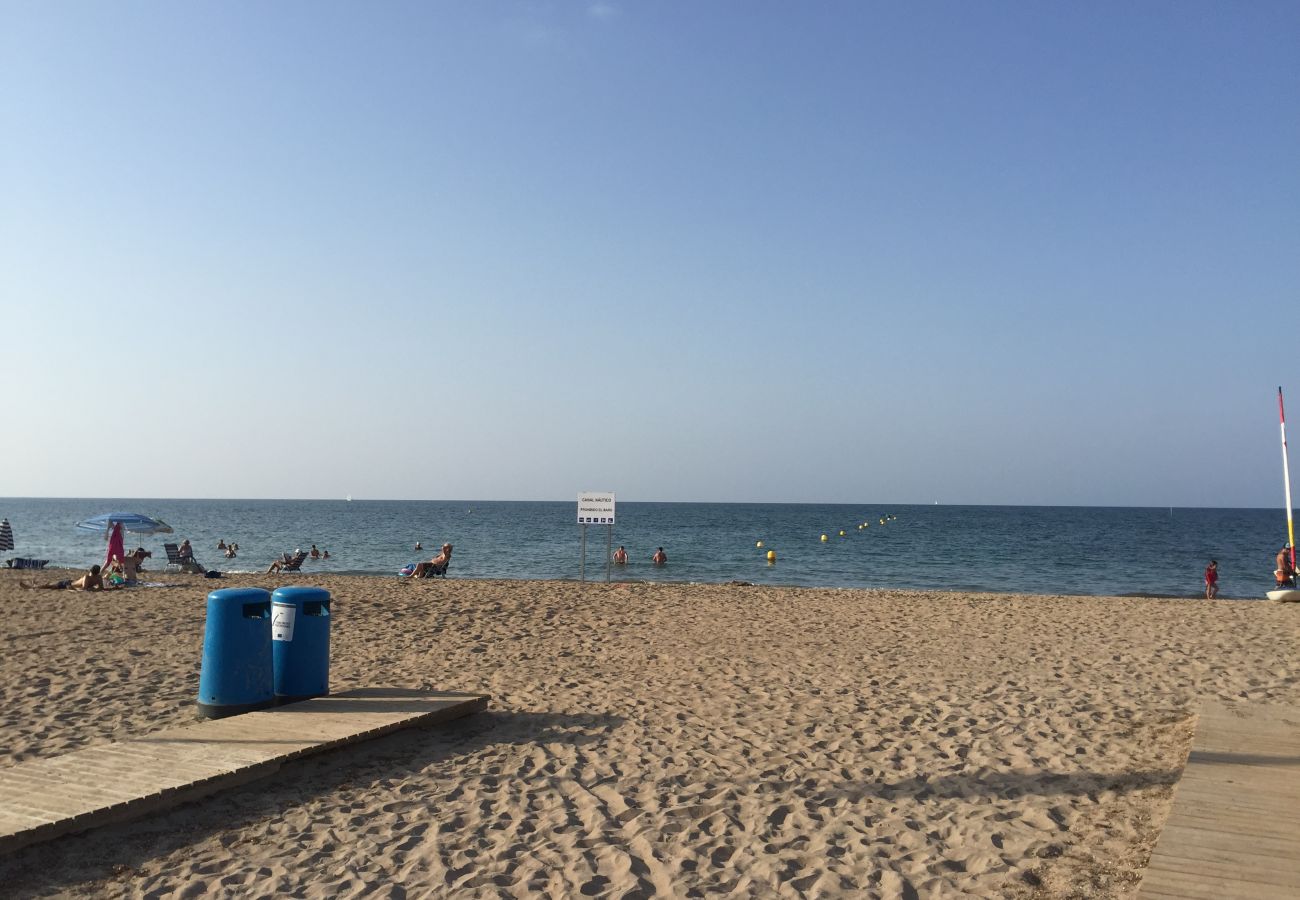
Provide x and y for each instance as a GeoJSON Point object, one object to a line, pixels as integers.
{"type": "Point", "coordinates": [1212, 580]}
{"type": "Point", "coordinates": [620, 556]}
{"type": "Point", "coordinates": [660, 557]}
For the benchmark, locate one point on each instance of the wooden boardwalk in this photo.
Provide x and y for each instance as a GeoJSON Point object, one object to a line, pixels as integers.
{"type": "Point", "coordinates": [45, 798]}
{"type": "Point", "coordinates": [1234, 831]}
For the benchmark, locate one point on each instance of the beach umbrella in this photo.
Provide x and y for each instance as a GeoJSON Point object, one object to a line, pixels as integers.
{"type": "Point", "coordinates": [132, 522]}
{"type": "Point", "coordinates": [6, 535]}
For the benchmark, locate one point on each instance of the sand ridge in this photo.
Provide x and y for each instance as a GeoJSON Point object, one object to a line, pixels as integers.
{"type": "Point", "coordinates": [661, 740]}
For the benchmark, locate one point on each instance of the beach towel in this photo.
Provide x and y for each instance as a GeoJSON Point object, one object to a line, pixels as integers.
{"type": "Point", "coordinates": [116, 546]}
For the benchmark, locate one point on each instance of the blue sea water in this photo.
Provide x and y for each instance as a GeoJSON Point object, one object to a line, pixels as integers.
{"type": "Point", "coordinates": [1071, 550]}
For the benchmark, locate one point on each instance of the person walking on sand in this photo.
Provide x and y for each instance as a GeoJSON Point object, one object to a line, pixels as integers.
{"type": "Point", "coordinates": [1212, 580]}
{"type": "Point", "coordinates": [660, 557]}
{"type": "Point", "coordinates": [620, 556]}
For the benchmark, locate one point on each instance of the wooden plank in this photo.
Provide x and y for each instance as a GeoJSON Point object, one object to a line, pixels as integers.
{"type": "Point", "coordinates": [43, 798]}
{"type": "Point", "coordinates": [1234, 830]}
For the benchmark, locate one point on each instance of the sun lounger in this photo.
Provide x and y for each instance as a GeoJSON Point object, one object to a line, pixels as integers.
{"type": "Point", "coordinates": [428, 570]}
{"type": "Point", "coordinates": [182, 563]}
{"type": "Point", "coordinates": [288, 562]}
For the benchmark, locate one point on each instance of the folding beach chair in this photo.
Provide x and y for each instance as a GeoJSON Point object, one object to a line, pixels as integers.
{"type": "Point", "coordinates": [182, 563]}
{"type": "Point", "coordinates": [288, 562]}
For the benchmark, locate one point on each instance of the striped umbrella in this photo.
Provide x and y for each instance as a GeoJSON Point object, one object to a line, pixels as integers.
{"type": "Point", "coordinates": [6, 535]}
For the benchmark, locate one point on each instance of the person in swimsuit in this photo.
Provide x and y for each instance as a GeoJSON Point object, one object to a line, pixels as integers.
{"type": "Point", "coordinates": [132, 565]}
{"type": "Point", "coordinates": [1212, 580]}
{"type": "Point", "coordinates": [1285, 572]}
{"type": "Point", "coordinates": [660, 557]}
{"type": "Point", "coordinates": [435, 566]}
{"type": "Point", "coordinates": [91, 581]}
{"type": "Point", "coordinates": [620, 556]}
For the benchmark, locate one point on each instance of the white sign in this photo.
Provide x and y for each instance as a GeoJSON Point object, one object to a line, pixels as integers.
{"type": "Point", "coordinates": [596, 508]}
{"type": "Point", "coordinates": [282, 616]}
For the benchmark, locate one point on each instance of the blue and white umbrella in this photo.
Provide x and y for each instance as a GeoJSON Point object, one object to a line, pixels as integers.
{"type": "Point", "coordinates": [6, 535]}
{"type": "Point", "coordinates": [132, 522]}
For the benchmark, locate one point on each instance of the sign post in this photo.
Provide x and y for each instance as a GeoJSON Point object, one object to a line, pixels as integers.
{"type": "Point", "coordinates": [596, 508]}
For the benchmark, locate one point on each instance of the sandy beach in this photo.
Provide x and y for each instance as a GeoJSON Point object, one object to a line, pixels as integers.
{"type": "Point", "coordinates": [659, 740]}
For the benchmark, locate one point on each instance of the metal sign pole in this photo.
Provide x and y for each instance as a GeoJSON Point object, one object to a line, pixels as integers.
{"type": "Point", "coordinates": [609, 548]}
{"type": "Point", "coordinates": [582, 567]}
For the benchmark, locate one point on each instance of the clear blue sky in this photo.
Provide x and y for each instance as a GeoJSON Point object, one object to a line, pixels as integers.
{"type": "Point", "coordinates": [1037, 253]}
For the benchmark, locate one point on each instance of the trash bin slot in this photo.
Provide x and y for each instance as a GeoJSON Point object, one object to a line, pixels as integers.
{"type": "Point", "coordinates": [257, 610]}
{"type": "Point", "coordinates": [316, 608]}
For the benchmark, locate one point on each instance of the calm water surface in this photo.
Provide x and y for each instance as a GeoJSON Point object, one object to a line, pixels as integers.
{"type": "Point", "coordinates": [1073, 550]}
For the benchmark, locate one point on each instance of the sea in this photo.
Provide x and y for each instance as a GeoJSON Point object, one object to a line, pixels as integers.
{"type": "Point", "coordinates": [1020, 549]}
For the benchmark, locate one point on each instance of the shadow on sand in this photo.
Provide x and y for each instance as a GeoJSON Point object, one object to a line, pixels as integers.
{"type": "Point", "coordinates": [112, 855]}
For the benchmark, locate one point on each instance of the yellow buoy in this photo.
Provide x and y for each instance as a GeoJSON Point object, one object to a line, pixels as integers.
{"type": "Point", "coordinates": [841, 532]}
{"type": "Point", "coordinates": [825, 538]}
{"type": "Point", "coordinates": [759, 544]}
{"type": "Point", "coordinates": [771, 556]}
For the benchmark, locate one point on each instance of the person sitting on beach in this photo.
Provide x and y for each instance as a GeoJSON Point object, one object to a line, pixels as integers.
{"type": "Point", "coordinates": [620, 556]}
{"type": "Point", "coordinates": [185, 551]}
{"type": "Point", "coordinates": [1284, 574]}
{"type": "Point", "coordinates": [91, 581]}
{"type": "Point", "coordinates": [315, 554]}
{"type": "Point", "coordinates": [132, 565]}
{"type": "Point", "coordinates": [660, 557]}
{"type": "Point", "coordinates": [435, 566]}
{"type": "Point", "coordinates": [287, 562]}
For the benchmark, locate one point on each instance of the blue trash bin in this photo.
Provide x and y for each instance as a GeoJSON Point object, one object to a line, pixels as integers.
{"type": "Point", "coordinates": [300, 633]}
{"type": "Point", "coordinates": [236, 671]}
